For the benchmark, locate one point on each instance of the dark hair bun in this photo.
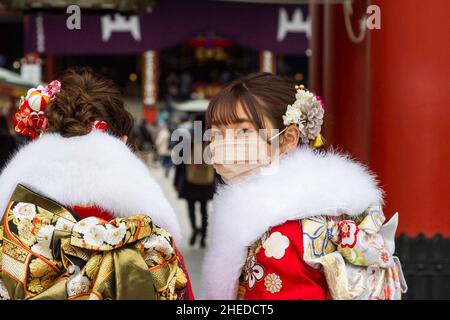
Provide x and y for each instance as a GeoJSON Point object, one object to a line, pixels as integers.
{"type": "Point", "coordinates": [85, 97]}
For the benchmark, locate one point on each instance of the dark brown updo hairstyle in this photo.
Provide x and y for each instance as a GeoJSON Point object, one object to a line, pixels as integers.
{"type": "Point", "coordinates": [260, 94]}
{"type": "Point", "coordinates": [85, 97]}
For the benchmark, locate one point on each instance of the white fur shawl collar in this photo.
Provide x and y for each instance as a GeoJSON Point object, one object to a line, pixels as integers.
{"type": "Point", "coordinates": [95, 169]}
{"type": "Point", "coordinates": [307, 184]}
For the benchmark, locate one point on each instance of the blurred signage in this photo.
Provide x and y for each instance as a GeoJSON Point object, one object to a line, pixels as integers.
{"type": "Point", "coordinates": [267, 62]}
{"type": "Point", "coordinates": [279, 28]}
{"type": "Point", "coordinates": [90, 5]}
{"type": "Point", "coordinates": [120, 24]}
{"type": "Point", "coordinates": [150, 77]}
{"type": "Point", "coordinates": [206, 90]}
{"type": "Point", "coordinates": [31, 68]}
{"type": "Point", "coordinates": [297, 23]}
{"type": "Point", "coordinates": [31, 72]}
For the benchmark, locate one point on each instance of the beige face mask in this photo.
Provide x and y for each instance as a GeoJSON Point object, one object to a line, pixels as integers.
{"type": "Point", "coordinates": [236, 158]}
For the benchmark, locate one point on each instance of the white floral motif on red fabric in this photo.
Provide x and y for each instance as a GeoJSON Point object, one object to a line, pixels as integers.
{"type": "Point", "coordinates": [275, 246]}
{"type": "Point", "coordinates": [273, 283]}
{"type": "Point", "coordinates": [253, 272]}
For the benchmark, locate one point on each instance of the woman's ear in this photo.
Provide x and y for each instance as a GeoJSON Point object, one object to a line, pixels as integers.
{"type": "Point", "coordinates": [124, 139]}
{"type": "Point", "coordinates": [291, 137]}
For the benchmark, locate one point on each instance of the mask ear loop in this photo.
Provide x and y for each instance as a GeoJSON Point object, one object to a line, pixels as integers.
{"type": "Point", "coordinates": [274, 137]}
{"type": "Point", "coordinates": [278, 134]}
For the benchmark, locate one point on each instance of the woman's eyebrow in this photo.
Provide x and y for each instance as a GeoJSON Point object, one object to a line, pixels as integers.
{"type": "Point", "coordinates": [242, 120]}
{"type": "Point", "coordinates": [236, 121]}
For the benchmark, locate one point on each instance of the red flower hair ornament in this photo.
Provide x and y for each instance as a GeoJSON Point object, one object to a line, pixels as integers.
{"type": "Point", "coordinates": [100, 126]}
{"type": "Point", "coordinates": [30, 119]}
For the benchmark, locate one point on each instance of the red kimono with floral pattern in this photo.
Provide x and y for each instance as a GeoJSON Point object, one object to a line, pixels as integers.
{"type": "Point", "coordinates": [275, 268]}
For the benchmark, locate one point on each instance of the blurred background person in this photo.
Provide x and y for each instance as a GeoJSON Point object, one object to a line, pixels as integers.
{"type": "Point", "coordinates": [146, 139]}
{"type": "Point", "coordinates": [162, 147]}
{"type": "Point", "coordinates": [196, 182]}
{"type": "Point", "coordinates": [146, 143]}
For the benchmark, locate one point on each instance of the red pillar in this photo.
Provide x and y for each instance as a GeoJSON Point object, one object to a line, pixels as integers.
{"type": "Point", "coordinates": [316, 47]}
{"type": "Point", "coordinates": [388, 101]}
{"type": "Point", "coordinates": [339, 76]}
{"type": "Point", "coordinates": [410, 71]}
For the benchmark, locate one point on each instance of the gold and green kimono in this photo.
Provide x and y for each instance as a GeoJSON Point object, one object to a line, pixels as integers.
{"type": "Point", "coordinates": [48, 252]}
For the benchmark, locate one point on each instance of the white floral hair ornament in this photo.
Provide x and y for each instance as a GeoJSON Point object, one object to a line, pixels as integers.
{"type": "Point", "coordinates": [307, 112]}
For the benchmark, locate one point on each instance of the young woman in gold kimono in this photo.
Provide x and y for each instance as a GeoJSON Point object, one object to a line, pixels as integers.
{"type": "Point", "coordinates": [82, 217]}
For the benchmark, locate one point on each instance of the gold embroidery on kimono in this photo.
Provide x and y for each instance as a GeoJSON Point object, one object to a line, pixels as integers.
{"type": "Point", "coordinates": [46, 252]}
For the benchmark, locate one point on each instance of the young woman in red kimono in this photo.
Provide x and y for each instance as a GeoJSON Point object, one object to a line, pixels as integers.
{"type": "Point", "coordinates": [79, 158]}
{"type": "Point", "coordinates": [284, 210]}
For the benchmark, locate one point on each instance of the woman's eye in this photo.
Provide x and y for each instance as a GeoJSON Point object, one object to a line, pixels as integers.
{"type": "Point", "coordinates": [245, 131]}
